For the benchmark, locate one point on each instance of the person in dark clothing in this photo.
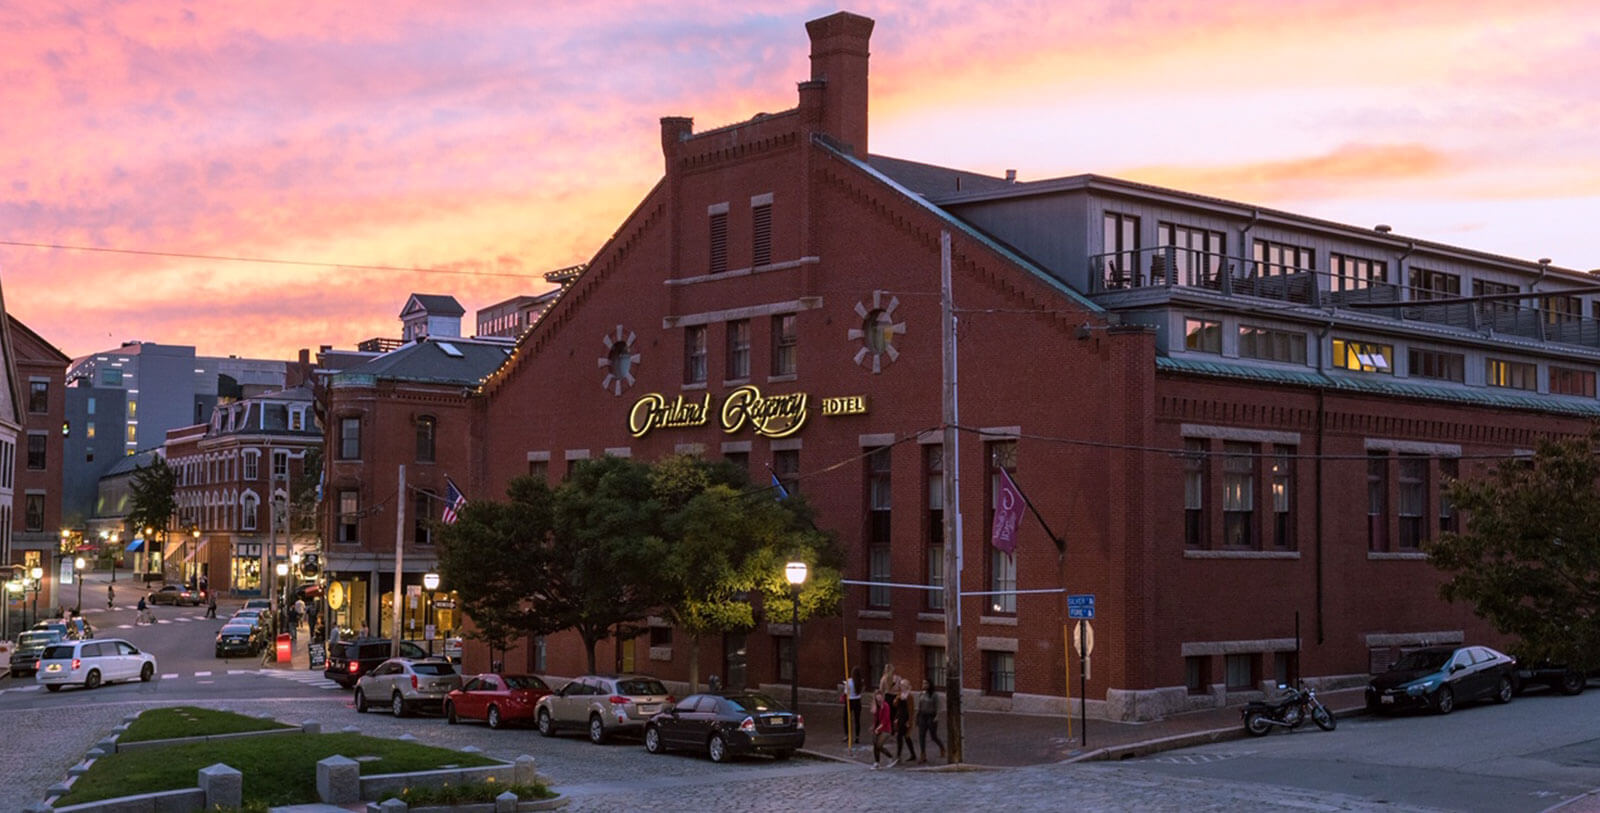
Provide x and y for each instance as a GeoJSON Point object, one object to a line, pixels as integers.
{"type": "Point", "coordinates": [211, 605]}
{"type": "Point", "coordinates": [904, 706]}
{"type": "Point", "coordinates": [928, 719]}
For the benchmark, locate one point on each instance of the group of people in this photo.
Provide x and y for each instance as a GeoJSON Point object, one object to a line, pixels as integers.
{"type": "Point", "coordinates": [894, 706]}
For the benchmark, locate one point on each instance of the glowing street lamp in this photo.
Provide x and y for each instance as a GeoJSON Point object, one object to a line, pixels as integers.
{"type": "Point", "coordinates": [430, 581]}
{"type": "Point", "coordinates": [795, 572]}
{"type": "Point", "coordinates": [78, 565]}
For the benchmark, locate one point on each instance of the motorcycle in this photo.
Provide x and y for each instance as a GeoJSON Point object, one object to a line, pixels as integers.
{"type": "Point", "coordinates": [1290, 711]}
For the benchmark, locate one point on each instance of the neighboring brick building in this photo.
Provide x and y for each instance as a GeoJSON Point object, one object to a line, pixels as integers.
{"type": "Point", "coordinates": [36, 524]}
{"type": "Point", "coordinates": [1238, 419]}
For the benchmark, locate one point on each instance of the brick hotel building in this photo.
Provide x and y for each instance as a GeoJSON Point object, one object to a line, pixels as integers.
{"type": "Point", "coordinates": [1238, 419]}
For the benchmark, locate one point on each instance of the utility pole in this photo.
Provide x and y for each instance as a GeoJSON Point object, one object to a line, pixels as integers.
{"type": "Point", "coordinates": [952, 509]}
{"type": "Point", "coordinates": [399, 556]}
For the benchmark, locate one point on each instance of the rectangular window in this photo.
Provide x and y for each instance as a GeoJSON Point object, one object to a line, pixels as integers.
{"type": "Point", "coordinates": [761, 235]}
{"type": "Point", "coordinates": [38, 396]}
{"type": "Point", "coordinates": [1517, 375]}
{"type": "Point", "coordinates": [660, 636]}
{"type": "Point", "coordinates": [247, 514]}
{"type": "Point", "coordinates": [1365, 357]}
{"type": "Point", "coordinates": [1194, 493]}
{"type": "Point", "coordinates": [251, 466]}
{"type": "Point", "coordinates": [1426, 284]}
{"type": "Point", "coordinates": [1377, 501]}
{"type": "Point", "coordinates": [738, 350]}
{"type": "Point", "coordinates": [1437, 364]}
{"type": "Point", "coordinates": [1559, 310]}
{"type": "Point", "coordinates": [1494, 307]}
{"type": "Point", "coordinates": [1449, 470]}
{"type": "Point", "coordinates": [427, 430]}
{"type": "Point", "coordinates": [1121, 251]}
{"type": "Point", "coordinates": [297, 420]}
{"type": "Point", "coordinates": [1356, 273]}
{"type": "Point", "coordinates": [694, 354]}
{"type": "Point", "coordinates": [1238, 495]}
{"type": "Point", "coordinates": [933, 477]}
{"type": "Point", "coordinates": [1283, 498]}
{"type": "Point", "coordinates": [1276, 259]}
{"type": "Point", "coordinates": [1196, 256]}
{"type": "Point", "coordinates": [875, 655]}
{"type": "Point", "coordinates": [36, 451]}
{"type": "Point", "coordinates": [1002, 456]}
{"type": "Point", "coordinates": [110, 377]}
{"type": "Point", "coordinates": [349, 515]}
{"type": "Point", "coordinates": [785, 344]}
{"type": "Point", "coordinates": [422, 513]}
{"type": "Point", "coordinates": [1272, 345]}
{"type": "Point", "coordinates": [740, 460]}
{"type": "Point", "coordinates": [783, 648]}
{"type": "Point", "coordinates": [539, 470]}
{"type": "Point", "coordinates": [1197, 674]}
{"type": "Point", "coordinates": [1567, 381]}
{"type": "Point", "coordinates": [33, 513]}
{"type": "Point", "coordinates": [1000, 673]}
{"type": "Point", "coordinates": [719, 242]}
{"type": "Point", "coordinates": [350, 439]}
{"type": "Point", "coordinates": [280, 465]}
{"type": "Point", "coordinates": [933, 666]}
{"type": "Point", "coordinates": [1202, 335]}
{"type": "Point", "coordinates": [1413, 500]}
{"type": "Point", "coordinates": [1241, 671]}
{"type": "Point", "coordinates": [786, 464]}
{"type": "Point", "coordinates": [878, 525]}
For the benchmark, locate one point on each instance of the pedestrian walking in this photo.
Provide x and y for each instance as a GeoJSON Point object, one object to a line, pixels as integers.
{"type": "Point", "coordinates": [928, 720]}
{"type": "Point", "coordinates": [111, 596]}
{"type": "Point", "coordinates": [852, 707]}
{"type": "Point", "coordinates": [145, 615]}
{"type": "Point", "coordinates": [300, 609]}
{"type": "Point", "coordinates": [211, 605]}
{"type": "Point", "coordinates": [904, 708]}
{"type": "Point", "coordinates": [883, 724]}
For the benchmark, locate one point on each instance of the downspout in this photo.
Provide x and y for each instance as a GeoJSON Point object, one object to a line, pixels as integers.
{"type": "Point", "coordinates": [1227, 278]}
{"type": "Point", "coordinates": [1322, 392]}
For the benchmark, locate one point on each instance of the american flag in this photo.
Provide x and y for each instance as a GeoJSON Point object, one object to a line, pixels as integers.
{"type": "Point", "coordinates": [454, 501]}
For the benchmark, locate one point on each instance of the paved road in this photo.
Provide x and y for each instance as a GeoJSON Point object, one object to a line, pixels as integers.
{"type": "Point", "coordinates": [1527, 756]}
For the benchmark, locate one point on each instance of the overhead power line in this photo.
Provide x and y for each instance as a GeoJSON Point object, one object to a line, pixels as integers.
{"type": "Point", "coordinates": [268, 260]}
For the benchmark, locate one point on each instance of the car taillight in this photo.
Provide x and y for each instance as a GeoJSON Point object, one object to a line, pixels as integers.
{"type": "Point", "coordinates": [413, 681]}
{"type": "Point", "coordinates": [617, 700]}
{"type": "Point", "coordinates": [799, 721]}
{"type": "Point", "coordinates": [748, 726]}
{"type": "Point", "coordinates": [76, 663]}
{"type": "Point", "coordinates": [353, 667]}
{"type": "Point", "coordinates": [671, 699]}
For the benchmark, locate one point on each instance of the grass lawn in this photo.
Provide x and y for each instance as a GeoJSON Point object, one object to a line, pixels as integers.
{"type": "Point", "coordinates": [191, 721]}
{"type": "Point", "coordinates": [277, 770]}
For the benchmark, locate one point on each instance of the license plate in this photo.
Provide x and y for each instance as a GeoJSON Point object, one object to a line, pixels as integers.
{"type": "Point", "coordinates": [775, 721]}
{"type": "Point", "coordinates": [647, 709]}
{"type": "Point", "coordinates": [54, 667]}
{"type": "Point", "coordinates": [1388, 698]}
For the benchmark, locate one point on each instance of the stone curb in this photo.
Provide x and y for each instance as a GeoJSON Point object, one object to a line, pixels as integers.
{"type": "Point", "coordinates": [1185, 740]}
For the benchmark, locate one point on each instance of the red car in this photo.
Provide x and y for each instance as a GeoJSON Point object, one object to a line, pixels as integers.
{"type": "Point", "coordinates": [497, 699]}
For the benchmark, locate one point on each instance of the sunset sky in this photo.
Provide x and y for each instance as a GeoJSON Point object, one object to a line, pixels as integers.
{"type": "Point", "coordinates": [495, 140]}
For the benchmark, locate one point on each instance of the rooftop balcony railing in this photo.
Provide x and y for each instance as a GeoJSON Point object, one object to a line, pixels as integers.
{"type": "Point", "coordinates": [1175, 267]}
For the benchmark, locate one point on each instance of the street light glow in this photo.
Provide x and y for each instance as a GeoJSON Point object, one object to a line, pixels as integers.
{"type": "Point", "coordinates": [37, 573]}
{"type": "Point", "coordinates": [795, 572]}
{"type": "Point", "coordinates": [283, 569]}
{"type": "Point", "coordinates": [430, 581]}
{"type": "Point", "coordinates": [78, 564]}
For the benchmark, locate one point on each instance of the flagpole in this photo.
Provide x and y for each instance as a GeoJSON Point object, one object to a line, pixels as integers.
{"type": "Point", "coordinates": [952, 507]}
{"type": "Point", "coordinates": [399, 555]}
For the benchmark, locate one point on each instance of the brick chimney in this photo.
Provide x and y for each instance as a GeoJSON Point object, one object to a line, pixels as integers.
{"type": "Point", "coordinates": [839, 59]}
{"type": "Point", "coordinates": [674, 131]}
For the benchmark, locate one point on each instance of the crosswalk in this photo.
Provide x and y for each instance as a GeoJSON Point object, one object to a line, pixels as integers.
{"type": "Point", "coordinates": [303, 677]}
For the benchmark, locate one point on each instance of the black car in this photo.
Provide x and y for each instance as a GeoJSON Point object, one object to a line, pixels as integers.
{"type": "Point", "coordinates": [348, 660]}
{"type": "Point", "coordinates": [25, 658]}
{"type": "Point", "coordinates": [1565, 679]}
{"type": "Point", "coordinates": [727, 725]}
{"type": "Point", "coordinates": [240, 638]}
{"type": "Point", "coordinates": [1438, 678]}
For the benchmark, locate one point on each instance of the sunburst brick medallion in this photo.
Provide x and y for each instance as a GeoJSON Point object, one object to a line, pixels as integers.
{"type": "Point", "coordinates": [619, 361]}
{"type": "Point", "coordinates": [877, 332]}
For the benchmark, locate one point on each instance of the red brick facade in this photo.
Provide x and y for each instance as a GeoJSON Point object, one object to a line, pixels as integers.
{"type": "Point", "coordinates": [36, 515]}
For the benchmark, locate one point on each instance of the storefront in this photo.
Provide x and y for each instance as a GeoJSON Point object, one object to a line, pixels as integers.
{"type": "Point", "coordinates": [347, 602]}
{"type": "Point", "coordinates": [245, 570]}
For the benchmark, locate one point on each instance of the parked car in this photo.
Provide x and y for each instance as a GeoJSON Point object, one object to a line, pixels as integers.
{"type": "Point", "coordinates": [406, 685]}
{"type": "Point", "coordinates": [240, 638]}
{"type": "Point", "coordinates": [1440, 677]}
{"type": "Point", "coordinates": [263, 604]}
{"type": "Point", "coordinates": [175, 595]}
{"type": "Point", "coordinates": [496, 699]}
{"type": "Point", "coordinates": [351, 658]}
{"type": "Point", "coordinates": [1565, 679]}
{"type": "Point", "coordinates": [75, 628]}
{"type": "Point", "coordinates": [30, 645]}
{"type": "Point", "coordinates": [602, 705]}
{"type": "Point", "coordinates": [726, 725]}
{"type": "Point", "coordinates": [93, 662]}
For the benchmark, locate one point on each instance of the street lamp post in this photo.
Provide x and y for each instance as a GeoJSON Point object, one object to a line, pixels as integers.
{"type": "Point", "coordinates": [188, 556]}
{"type": "Point", "coordinates": [78, 566]}
{"type": "Point", "coordinates": [38, 580]}
{"type": "Point", "coordinates": [283, 573]}
{"type": "Point", "coordinates": [795, 572]}
{"type": "Point", "coordinates": [430, 581]}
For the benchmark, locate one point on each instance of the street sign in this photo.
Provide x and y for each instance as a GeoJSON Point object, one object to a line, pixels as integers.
{"type": "Point", "coordinates": [1080, 606]}
{"type": "Point", "coordinates": [1083, 638]}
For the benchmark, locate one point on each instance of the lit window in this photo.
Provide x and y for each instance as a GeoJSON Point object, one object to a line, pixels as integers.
{"type": "Point", "coordinates": [1366, 357]}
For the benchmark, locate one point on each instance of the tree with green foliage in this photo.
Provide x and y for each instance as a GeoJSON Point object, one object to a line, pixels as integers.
{"type": "Point", "coordinates": [486, 556]}
{"type": "Point", "coordinates": [1528, 559]}
{"type": "Point", "coordinates": [153, 496]}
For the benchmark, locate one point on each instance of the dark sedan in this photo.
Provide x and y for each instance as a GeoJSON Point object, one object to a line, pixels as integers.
{"type": "Point", "coordinates": [496, 699]}
{"type": "Point", "coordinates": [175, 595]}
{"type": "Point", "coordinates": [239, 638]}
{"type": "Point", "coordinates": [25, 658]}
{"type": "Point", "coordinates": [1438, 678]}
{"type": "Point", "coordinates": [727, 725]}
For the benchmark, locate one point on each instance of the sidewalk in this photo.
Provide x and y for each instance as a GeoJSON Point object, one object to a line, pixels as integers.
{"type": "Point", "coordinates": [999, 739]}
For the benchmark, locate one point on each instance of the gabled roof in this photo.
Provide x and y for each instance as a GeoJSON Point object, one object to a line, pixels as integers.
{"type": "Point", "coordinates": [21, 332]}
{"type": "Point", "coordinates": [127, 463]}
{"type": "Point", "coordinates": [434, 360]}
{"type": "Point", "coordinates": [433, 304]}
{"type": "Point", "coordinates": [930, 180]}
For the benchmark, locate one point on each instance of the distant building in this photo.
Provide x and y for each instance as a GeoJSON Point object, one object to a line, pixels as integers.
{"type": "Point", "coordinates": [112, 503]}
{"type": "Point", "coordinates": [511, 318]}
{"type": "Point", "coordinates": [427, 315]}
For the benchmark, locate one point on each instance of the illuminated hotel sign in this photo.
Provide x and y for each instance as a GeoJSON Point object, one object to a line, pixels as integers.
{"type": "Point", "coordinates": [773, 416]}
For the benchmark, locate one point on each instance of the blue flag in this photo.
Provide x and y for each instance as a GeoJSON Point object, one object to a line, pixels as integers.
{"type": "Point", "coordinates": [783, 493]}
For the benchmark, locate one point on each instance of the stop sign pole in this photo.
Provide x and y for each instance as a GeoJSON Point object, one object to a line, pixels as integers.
{"type": "Point", "coordinates": [1081, 607]}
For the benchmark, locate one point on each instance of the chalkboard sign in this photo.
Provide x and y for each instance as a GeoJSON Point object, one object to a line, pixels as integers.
{"type": "Point", "coordinates": [319, 656]}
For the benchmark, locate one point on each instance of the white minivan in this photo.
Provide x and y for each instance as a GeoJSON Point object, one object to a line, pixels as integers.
{"type": "Point", "coordinates": [93, 662]}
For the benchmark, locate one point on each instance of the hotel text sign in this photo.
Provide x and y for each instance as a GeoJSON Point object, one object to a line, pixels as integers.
{"type": "Point", "coordinates": [774, 416]}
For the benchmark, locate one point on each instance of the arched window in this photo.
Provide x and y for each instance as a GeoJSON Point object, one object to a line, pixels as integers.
{"type": "Point", "coordinates": [247, 509]}
{"type": "Point", "coordinates": [427, 429]}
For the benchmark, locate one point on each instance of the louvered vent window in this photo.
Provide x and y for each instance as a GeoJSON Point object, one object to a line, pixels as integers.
{"type": "Point", "coordinates": [761, 218]}
{"type": "Point", "coordinates": [719, 242]}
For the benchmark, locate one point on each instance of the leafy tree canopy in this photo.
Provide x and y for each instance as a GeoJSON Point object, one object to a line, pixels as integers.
{"type": "Point", "coordinates": [1528, 560]}
{"type": "Point", "coordinates": [153, 495]}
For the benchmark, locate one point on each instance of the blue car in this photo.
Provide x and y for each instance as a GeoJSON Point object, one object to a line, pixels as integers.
{"type": "Point", "coordinates": [1438, 678]}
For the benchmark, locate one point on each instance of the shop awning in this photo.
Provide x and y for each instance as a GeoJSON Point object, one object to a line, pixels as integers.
{"type": "Point", "coordinates": [194, 550]}
{"type": "Point", "coordinates": [135, 545]}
